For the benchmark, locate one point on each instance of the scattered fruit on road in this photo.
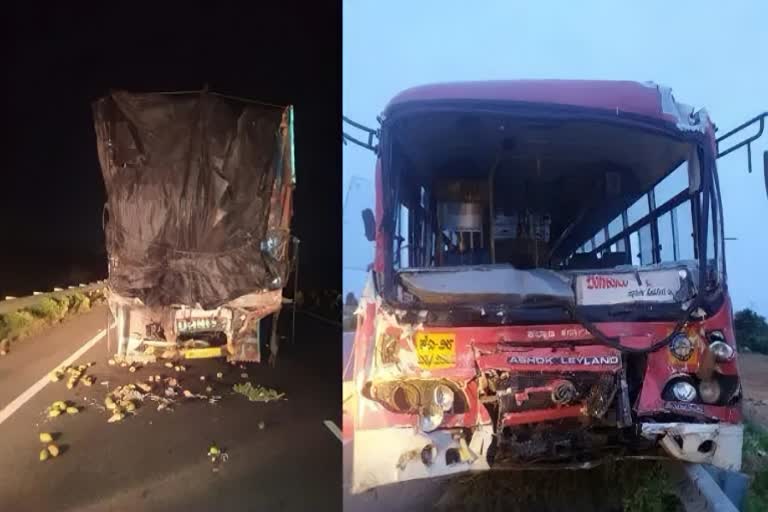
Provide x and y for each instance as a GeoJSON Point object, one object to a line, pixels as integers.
{"type": "Point", "coordinates": [53, 450]}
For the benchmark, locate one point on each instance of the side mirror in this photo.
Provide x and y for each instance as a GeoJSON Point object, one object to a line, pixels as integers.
{"type": "Point", "coordinates": [369, 223]}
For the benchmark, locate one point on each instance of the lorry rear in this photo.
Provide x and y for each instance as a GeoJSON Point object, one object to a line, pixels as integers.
{"type": "Point", "coordinates": [197, 220]}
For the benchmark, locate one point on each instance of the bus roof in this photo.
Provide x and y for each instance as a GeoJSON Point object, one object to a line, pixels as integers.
{"type": "Point", "coordinates": [646, 99]}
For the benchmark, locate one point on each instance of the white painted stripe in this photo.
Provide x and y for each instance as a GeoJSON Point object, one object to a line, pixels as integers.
{"type": "Point", "coordinates": [331, 426]}
{"type": "Point", "coordinates": [35, 388]}
{"type": "Point", "coordinates": [10, 297]}
{"type": "Point", "coordinates": [37, 293]}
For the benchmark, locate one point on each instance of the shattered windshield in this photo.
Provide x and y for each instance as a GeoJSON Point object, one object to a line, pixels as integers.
{"type": "Point", "coordinates": [529, 210]}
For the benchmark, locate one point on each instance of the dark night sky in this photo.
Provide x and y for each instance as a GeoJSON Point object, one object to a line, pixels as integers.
{"type": "Point", "coordinates": [60, 59]}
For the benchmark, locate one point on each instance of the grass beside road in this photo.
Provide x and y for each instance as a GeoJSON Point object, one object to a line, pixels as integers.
{"type": "Point", "coordinates": [755, 464]}
{"type": "Point", "coordinates": [48, 310]}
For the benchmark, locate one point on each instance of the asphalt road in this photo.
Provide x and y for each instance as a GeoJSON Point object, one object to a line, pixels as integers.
{"type": "Point", "coordinates": [156, 460]}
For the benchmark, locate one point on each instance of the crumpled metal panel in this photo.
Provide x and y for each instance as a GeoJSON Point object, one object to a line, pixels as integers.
{"type": "Point", "coordinates": [486, 284]}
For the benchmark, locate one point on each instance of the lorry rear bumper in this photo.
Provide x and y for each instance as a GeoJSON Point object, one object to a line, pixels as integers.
{"type": "Point", "coordinates": [718, 444]}
{"type": "Point", "coordinates": [396, 454]}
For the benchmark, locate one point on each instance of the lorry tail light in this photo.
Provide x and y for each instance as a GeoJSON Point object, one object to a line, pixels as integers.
{"type": "Point", "coordinates": [722, 351]}
{"type": "Point", "coordinates": [709, 391]}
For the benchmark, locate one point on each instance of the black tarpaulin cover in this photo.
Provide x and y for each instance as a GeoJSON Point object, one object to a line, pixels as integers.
{"type": "Point", "coordinates": [199, 188]}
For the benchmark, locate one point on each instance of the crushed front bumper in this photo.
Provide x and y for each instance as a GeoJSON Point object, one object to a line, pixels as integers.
{"type": "Point", "coordinates": [396, 454]}
{"type": "Point", "coordinates": [718, 444]}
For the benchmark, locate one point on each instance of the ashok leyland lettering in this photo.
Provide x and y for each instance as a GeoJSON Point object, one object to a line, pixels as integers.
{"type": "Point", "coordinates": [549, 286]}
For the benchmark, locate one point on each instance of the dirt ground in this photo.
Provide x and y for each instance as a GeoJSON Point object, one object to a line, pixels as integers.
{"type": "Point", "coordinates": [754, 377]}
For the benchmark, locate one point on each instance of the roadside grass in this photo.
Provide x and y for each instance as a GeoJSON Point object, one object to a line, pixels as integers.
{"type": "Point", "coordinates": [631, 486]}
{"type": "Point", "coordinates": [49, 310]}
{"type": "Point", "coordinates": [755, 464]}
{"type": "Point", "coordinates": [648, 489]}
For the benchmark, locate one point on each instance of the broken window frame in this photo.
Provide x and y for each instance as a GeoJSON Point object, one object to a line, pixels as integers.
{"type": "Point", "coordinates": [715, 252]}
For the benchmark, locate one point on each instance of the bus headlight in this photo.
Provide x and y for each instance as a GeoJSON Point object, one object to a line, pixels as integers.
{"type": "Point", "coordinates": [709, 390]}
{"type": "Point", "coordinates": [431, 417]}
{"type": "Point", "coordinates": [443, 397]}
{"type": "Point", "coordinates": [684, 391]}
{"type": "Point", "coordinates": [721, 350]}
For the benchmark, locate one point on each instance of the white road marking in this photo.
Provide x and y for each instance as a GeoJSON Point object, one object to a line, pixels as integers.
{"type": "Point", "coordinates": [331, 426]}
{"type": "Point", "coordinates": [35, 388]}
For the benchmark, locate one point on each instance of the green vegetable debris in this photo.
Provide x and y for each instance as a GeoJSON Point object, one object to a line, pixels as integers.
{"type": "Point", "coordinates": [257, 393]}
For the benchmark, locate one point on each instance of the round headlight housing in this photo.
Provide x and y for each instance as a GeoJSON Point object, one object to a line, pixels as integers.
{"type": "Point", "coordinates": [684, 391]}
{"type": "Point", "coordinates": [709, 391]}
{"type": "Point", "coordinates": [431, 417]}
{"type": "Point", "coordinates": [721, 350]}
{"type": "Point", "coordinates": [681, 347]}
{"type": "Point", "coordinates": [443, 397]}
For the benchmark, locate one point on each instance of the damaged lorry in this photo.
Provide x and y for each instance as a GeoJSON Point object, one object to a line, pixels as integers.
{"type": "Point", "coordinates": [549, 286]}
{"type": "Point", "coordinates": [197, 221]}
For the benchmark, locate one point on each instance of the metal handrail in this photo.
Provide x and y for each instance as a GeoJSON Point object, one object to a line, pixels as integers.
{"type": "Point", "coordinates": [371, 134]}
{"type": "Point", "coordinates": [746, 142]}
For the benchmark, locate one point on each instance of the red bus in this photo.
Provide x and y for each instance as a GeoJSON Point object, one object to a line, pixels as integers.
{"type": "Point", "coordinates": [549, 286]}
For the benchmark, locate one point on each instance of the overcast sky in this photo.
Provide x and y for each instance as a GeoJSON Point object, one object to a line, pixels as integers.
{"type": "Point", "coordinates": [709, 53]}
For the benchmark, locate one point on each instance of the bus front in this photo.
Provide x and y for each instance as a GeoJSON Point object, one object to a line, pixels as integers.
{"type": "Point", "coordinates": [549, 285]}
